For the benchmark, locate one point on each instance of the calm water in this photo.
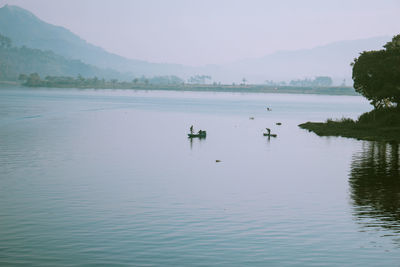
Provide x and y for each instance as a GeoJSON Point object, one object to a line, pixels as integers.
{"type": "Point", "coordinates": [110, 178]}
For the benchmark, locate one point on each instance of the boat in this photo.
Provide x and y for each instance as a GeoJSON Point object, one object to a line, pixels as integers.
{"type": "Point", "coordinates": [269, 134]}
{"type": "Point", "coordinates": [200, 134]}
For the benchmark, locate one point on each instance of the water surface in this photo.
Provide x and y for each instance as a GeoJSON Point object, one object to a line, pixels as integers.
{"type": "Point", "coordinates": [110, 178]}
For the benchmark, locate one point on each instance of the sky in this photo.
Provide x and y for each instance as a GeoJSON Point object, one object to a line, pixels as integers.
{"type": "Point", "coordinates": [215, 31]}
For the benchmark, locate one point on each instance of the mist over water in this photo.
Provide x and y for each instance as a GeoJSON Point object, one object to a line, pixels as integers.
{"type": "Point", "coordinates": [109, 177]}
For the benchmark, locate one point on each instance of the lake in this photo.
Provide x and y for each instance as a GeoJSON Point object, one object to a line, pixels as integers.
{"type": "Point", "coordinates": [109, 177]}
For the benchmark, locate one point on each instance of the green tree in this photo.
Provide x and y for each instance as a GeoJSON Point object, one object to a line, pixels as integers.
{"type": "Point", "coordinates": [22, 77]}
{"type": "Point", "coordinates": [5, 41]}
{"type": "Point", "coordinates": [199, 79]}
{"type": "Point", "coordinates": [323, 81]}
{"type": "Point", "coordinates": [80, 78]}
{"type": "Point", "coordinates": [34, 80]}
{"type": "Point", "coordinates": [376, 74]}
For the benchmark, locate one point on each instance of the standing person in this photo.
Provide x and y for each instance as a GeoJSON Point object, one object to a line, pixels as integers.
{"type": "Point", "coordinates": [191, 129]}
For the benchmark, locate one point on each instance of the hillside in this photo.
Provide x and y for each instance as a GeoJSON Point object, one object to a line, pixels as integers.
{"type": "Point", "coordinates": [24, 28]}
{"type": "Point", "coordinates": [17, 60]}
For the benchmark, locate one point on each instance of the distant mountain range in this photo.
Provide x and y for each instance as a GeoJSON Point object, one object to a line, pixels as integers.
{"type": "Point", "coordinates": [329, 60]}
{"type": "Point", "coordinates": [25, 29]}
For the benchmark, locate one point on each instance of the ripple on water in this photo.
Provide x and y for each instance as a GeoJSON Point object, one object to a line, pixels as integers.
{"type": "Point", "coordinates": [111, 179]}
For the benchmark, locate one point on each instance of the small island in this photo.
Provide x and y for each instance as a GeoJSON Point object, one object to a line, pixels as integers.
{"type": "Point", "coordinates": [376, 76]}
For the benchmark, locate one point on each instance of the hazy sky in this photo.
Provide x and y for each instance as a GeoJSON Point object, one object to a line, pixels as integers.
{"type": "Point", "coordinates": [215, 31]}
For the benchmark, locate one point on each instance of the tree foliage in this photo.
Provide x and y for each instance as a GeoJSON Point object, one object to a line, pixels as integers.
{"type": "Point", "coordinates": [5, 41]}
{"type": "Point", "coordinates": [376, 74]}
{"type": "Point", "coordinates": [319, 81]}
{"type": "Point", "coordinates": [199, 79]}
{"type": "Point", "coordinates": [34, 80]}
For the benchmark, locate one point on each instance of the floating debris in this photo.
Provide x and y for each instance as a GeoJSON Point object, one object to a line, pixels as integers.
{"type": "Point", "coordinates": [278, 123]}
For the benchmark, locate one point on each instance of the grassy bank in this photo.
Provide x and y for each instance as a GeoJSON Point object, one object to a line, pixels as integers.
{"type": "Point", "coordinates": [376, 125]}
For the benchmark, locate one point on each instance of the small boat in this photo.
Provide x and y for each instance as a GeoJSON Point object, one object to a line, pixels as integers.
{"type": "Point", "coordinates": [269, 134]}
{"type": "Point", "coordinates": [200, 134]}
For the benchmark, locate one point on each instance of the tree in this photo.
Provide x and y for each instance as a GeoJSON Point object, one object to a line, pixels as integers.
{"type": "Point", "coordinates": [22, 77]}
{"type": "Point", "coordinates": [376, 74]}
{"type": "Point", "coordinates": [199, 79]}
{"type": "Point", "coordinates": [34, 80]}
{"type": "Point", "coordinates": [319, 81]}
{"type": "Point", "coordinates": [323, 81]}
{"type": "Point", "coordinates": [80, 78]}
{"type": "Point", "coordinates": [5, 41]}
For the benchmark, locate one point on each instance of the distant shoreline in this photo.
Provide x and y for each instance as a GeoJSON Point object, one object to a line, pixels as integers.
{"type": "Point", "coordinates": [349, 91]}
{"type": "Point", "coordinates": [256, 89]}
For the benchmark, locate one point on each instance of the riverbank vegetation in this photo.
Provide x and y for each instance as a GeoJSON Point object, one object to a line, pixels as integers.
{"type": "Point", "coordinates": [376, 76]}
{"type": "Point", "coordinates": [172, 83]}
{"type": "Point", "coordinates": [34, 80]}
{"type": "Point", "coordinates": [376, 125]}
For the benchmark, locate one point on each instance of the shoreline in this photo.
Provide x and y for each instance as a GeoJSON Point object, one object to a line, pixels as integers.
{"type": "Point", "coordinates": [332, 91]}
{"type": "Point", "coordinates": [353, 130]}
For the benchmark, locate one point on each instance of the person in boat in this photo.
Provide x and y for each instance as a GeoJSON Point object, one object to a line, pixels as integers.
{"type": "Point", "coordinates": [191, 129]}
{"type": "Point", "coordinates": [269, 131]}
{"type": "Point", "coordinates": [200, 132]}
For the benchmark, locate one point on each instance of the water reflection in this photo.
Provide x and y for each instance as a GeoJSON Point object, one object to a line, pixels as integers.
{"type": "Point", "coordinates": [375, 186]}
{"type": "Point", "coordinates": [196, 139]}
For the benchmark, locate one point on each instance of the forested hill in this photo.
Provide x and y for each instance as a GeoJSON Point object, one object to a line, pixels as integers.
{"type": "Point", "coordinates": [17, 60]}
{"type": "Point", "coordinates": [24, 28]}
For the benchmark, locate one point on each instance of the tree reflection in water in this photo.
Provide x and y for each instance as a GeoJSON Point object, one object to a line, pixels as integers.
{"type": "Point", "coordinates": [375, 186]}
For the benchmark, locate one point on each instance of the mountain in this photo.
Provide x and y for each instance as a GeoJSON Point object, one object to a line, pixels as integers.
{"type": "Point", "coordinates": [25, 29]}
{"type": "Point", "coordinates": [329, 60]}
{"type": "Point", "coordinates": [23, 60]}
{"type": "Point", "coordinates": [332, 59]}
